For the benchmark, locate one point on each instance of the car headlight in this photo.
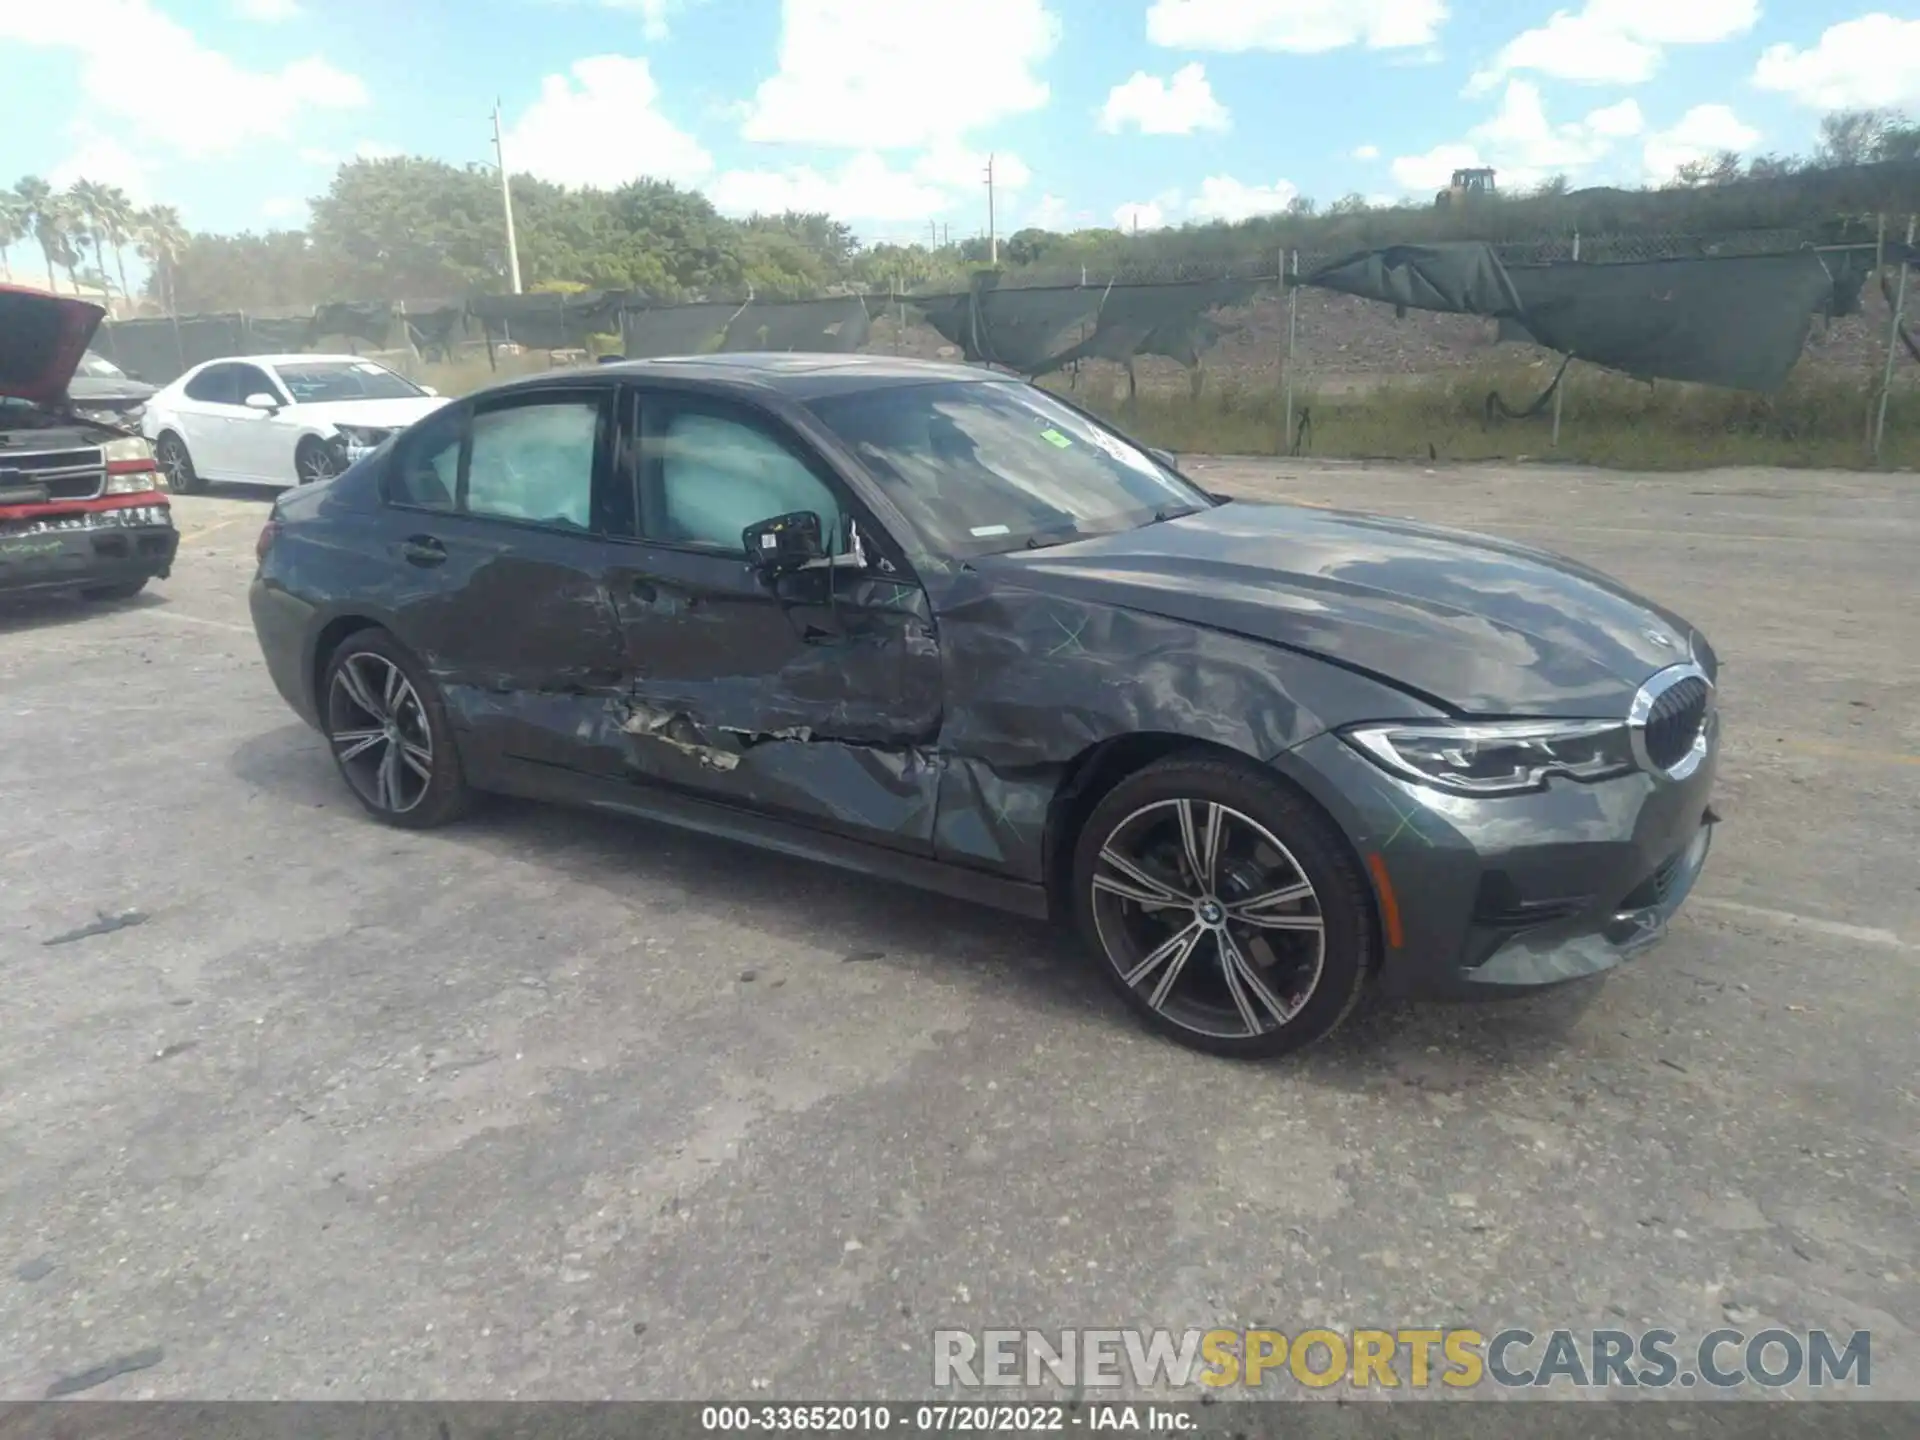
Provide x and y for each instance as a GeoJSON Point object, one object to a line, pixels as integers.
{"type": "Point", "coordinates": [130, 467]}
{"type": "Point", "coordinates": [1499, 757]}
{"type": "Point", "coordinates": [362, 437]}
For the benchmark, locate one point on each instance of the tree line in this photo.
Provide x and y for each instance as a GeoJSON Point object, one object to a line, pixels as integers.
{"type": "Point", "coordinates": [76, 227]}
{"type": "Point", "coordinates": [423, 230]}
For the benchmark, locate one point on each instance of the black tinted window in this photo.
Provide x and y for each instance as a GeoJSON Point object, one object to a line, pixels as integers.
{"type": "Point", "coordinates": [215, 384]}
{"type": "Point", "coordinates": [985, 466]}
{"type": "Point", "coordinates": [252, 380]}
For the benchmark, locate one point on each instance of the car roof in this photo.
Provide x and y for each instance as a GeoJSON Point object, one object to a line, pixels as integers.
{"type": "Point", "coordinates": [796, 376]}
{"type": "Point", "coordinates": [299, 359]}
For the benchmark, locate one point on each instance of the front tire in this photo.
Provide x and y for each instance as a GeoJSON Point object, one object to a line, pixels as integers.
{"type": "Point", "coordinates": [387, 729]}
{"type": "Point", "coordinates": [1225, 909]}
{"type": "Point", "coordinates": [313, 462]}
{"type": "Point", "coordinates": [170, 453]}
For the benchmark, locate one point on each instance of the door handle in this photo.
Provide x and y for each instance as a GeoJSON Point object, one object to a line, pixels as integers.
{"type": "Point", "coordinates": [423, 550]}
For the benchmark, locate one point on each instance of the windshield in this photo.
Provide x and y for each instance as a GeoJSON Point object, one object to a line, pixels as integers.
{"type": "Point", "coordinates": [987, 466]}
{"type": "Point", "coordinates": [317, 381]}
{"type": "Point", "coordinates": [99, 368]}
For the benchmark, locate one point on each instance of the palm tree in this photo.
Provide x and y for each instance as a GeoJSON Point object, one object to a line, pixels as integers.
{"type": "Point", "coordinates": [88, 202]}
{"type": "Point", "coordinates": [43, 219]}
{"type": "Point", "coordinates": [162, 237]}
{"type": "Point", "coordinates": [68, 229]}
{"type": "Point", "coordinates": [116, 220]}
{"type": "Point", "coordinates": [13, 226]}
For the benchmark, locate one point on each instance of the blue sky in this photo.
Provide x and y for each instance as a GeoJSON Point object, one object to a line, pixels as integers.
{"type": "Point", "coordinates": [884, 111]}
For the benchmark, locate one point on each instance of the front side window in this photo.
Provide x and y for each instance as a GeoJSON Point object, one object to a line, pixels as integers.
{"type": "Point", "coordinates": [252, 380]}
{"type": "Point", "coordinates": [535, 462]}
{"type": "Point", "coordinates": [988, 466]}
{"type": "Point", "coordinates": [318, 382]}
{"type": "Point", "coordinates": [718, 473]}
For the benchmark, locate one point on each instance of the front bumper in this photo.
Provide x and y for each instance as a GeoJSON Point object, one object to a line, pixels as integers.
{"type": "Point", "coordinates": [92, 543]}
{"type": "Point", "coordinates": [1503, 895]}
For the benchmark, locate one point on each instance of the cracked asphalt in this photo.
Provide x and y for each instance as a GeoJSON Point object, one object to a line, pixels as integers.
{"type": "Point", "coordinates": [553, 1105]}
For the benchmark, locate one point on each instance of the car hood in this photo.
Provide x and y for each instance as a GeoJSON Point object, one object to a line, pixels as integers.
{"type": "Point", "coordinates": [391, 414]}
{"type": "Point", "coordinates": [1478, 625]}
{"type": "Point", "coordinates": [42, 338]}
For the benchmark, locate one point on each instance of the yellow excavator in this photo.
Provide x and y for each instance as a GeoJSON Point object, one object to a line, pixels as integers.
{"type": "Point", "coordinates": [1469, 187]}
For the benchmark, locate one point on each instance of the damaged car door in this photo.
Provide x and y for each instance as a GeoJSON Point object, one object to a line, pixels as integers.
{"type": "Point", "coordinates": [813, 695]}
{"type": "Point", "coordinates": [491, 521]}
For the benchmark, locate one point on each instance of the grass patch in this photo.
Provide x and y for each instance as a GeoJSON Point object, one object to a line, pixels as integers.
{"type": "Point", "coordinates": [1606, 419]}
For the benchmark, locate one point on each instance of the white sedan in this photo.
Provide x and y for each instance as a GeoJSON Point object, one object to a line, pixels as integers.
{"type": "Point", "coordinates": [277, 419]}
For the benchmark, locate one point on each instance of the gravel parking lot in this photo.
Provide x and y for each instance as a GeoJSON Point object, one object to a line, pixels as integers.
{"type": "Point", "coordinates": [552, 1105]}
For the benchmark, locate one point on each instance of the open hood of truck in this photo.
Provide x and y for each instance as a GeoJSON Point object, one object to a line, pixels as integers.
{"type": "Point", "coordinates": [42, 338]}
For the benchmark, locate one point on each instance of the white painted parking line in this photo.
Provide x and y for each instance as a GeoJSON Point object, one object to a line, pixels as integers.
{"type": "Point", "coordinates": [1866, 935]}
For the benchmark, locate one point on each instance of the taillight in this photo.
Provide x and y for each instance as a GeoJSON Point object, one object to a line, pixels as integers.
{"type": "Point", "coordinates": [268, 533]}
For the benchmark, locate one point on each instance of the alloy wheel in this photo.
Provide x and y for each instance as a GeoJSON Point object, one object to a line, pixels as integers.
{"type": "Point", "coordinates": [313, 464]}
{"type": "Point", "coordinates": [380, 733]}
{"type": "Point", "coordinates": [1209, 918]}
{"type": "Point", "coordinates": [175, 465]}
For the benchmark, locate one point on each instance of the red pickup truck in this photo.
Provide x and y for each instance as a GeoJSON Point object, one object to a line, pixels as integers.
{"type": "Point", "coordinates": [81, 504]}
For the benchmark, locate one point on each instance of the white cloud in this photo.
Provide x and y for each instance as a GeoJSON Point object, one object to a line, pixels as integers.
{"type": "Point", "coordinates": [1154, 106]}
{"type": "Point", "coordinates": [375, 150]}
{"type": "Point", "coordinates": [1521, 142]}
{"type": "Point", "coordinates": [1140, 215]}
{"type": "Point", "coordinates": [214, 106]}
{"type": "Point", "coordinates": [598, 125]}
{"type": "Point", "coordinates": [269, 12]}
{"type": "Point", "coordinates": [1222, 197]}
{"type": "Point", "coordinates": [1617, 121]}
{"type": "Point", "coordinates": [1432, 170]}
{"type": "Point", "coordinates": [1701, 133]}
{"type": "Point", "coordinates": [106, 162]}
{"type": "Point", "coordinates": [901, 74]}
{"type": "Point", "coordinates": [1367, 152]}
{"type": "Point", "coordinates": [653, 14]}
{"type": "Point", "coordinates": [954, 167]}
{"type": "Point", "coordinates": [1302, 26]}
{"type": "Point", "coordinates": [867, 186]}
{"type": "Point", "coordinates": [1617, 41]}
{"type": "Point", "coordinates": [1052, 213]}
{"type": "Point", "coordinates": [315, 155]}
{"type": "Point", "coordinates": [1867, 63]}
{"type": "Point", "coordinates": [283, 207]}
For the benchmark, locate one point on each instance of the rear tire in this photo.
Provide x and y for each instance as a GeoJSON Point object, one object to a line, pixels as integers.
{"type": "Point", "coordinates": [1225, 909]}
{"type": "Point", "coordinates": [170, 453]}
{"type": "Point", "coordinates": [125, 590]}
{"type": "Point", "coordinates": [387, 729]}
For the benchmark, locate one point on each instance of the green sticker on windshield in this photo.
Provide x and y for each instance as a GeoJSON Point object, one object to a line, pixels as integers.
{"type": "Point", "coordinates": [1055, 438]}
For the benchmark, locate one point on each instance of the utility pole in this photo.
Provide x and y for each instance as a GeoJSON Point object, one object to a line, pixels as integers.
{"type": "Point", "coordinates": [506, 202]}
{"type": "Point", "coordinates": [933, 234]}
{"type": "Point", "coordinates": [993, 236]}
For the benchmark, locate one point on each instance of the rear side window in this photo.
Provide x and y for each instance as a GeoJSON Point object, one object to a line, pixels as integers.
{"type": "Point", "coordinates": [529, 460]}
{"type": "Point", "coordinates": [535, 462]}
{"type": "Point", "coordinates": [425, 470]}
{"type": "Point", "coordinates": [215, 385]}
